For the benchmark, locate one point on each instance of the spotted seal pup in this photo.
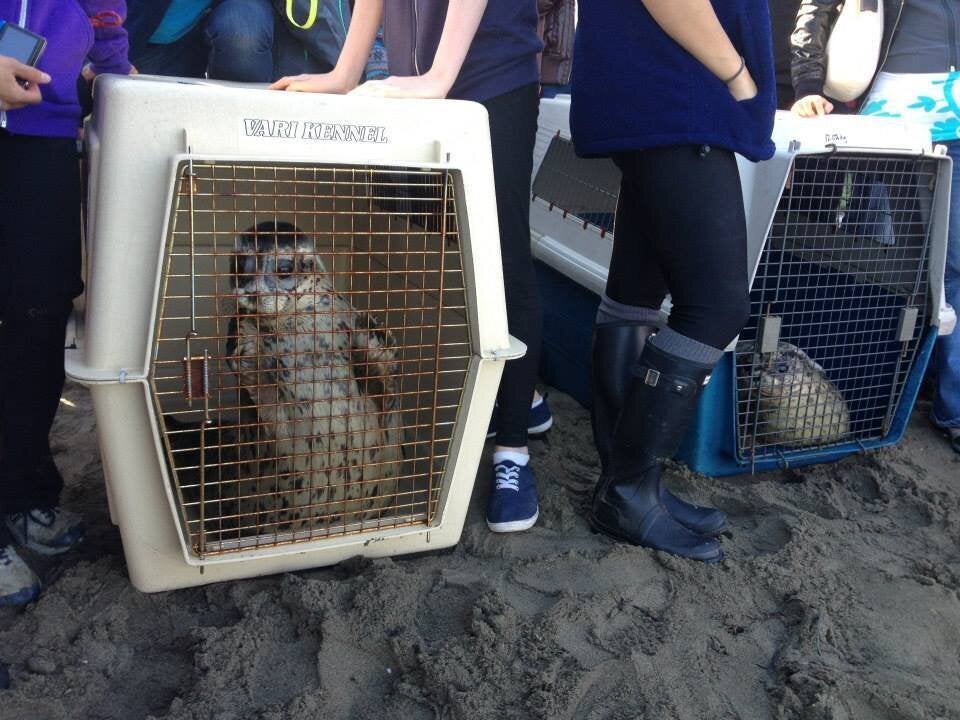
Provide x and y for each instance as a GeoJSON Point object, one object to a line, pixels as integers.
{"type": "Point", "coordinates": [797, 405]}
{"type": "Point", "coordinates": [321, 439]}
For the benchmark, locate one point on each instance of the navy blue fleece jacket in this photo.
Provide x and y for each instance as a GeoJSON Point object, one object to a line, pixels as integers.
{"type": "Point", "coordinates": [634, 87]}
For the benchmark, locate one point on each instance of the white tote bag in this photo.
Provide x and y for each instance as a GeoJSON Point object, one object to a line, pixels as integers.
{"type": "Point", "coordinates": [853, 49]}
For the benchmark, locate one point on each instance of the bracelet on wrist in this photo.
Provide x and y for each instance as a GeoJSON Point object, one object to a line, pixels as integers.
{"type": "Point", "coordinates": [743, 64]}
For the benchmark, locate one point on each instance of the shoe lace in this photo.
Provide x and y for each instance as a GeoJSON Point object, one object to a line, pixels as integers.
{"type": "Point", "coordinates": [508, 478]}
{"type": "Point", "coordinates": [47, 516]}
{"type": "Point", "coordinates": [5, 558]}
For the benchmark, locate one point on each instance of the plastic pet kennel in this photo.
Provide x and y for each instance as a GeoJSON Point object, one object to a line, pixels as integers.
{"type": "Point", "coordinates": [288, 360]}
{"type": "Point", "coordinates": [847, 239]}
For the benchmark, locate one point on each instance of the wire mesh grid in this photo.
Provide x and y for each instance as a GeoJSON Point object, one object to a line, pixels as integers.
{"type": "Point", "coordinates": [838, 306]}
{"type": "Point", "coordinates": [583, 188]}
{"type": "Point", "coordinates": [311, 349]}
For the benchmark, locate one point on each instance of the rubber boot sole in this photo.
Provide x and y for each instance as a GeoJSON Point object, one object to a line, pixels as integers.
{"type": "Point", "coordinates": [600, 529]}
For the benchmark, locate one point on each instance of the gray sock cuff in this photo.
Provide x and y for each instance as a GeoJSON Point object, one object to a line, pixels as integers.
{"type": "Point", "coordinates": [670, 341]}
{"type": "Point", "coordinates": [611, 311]}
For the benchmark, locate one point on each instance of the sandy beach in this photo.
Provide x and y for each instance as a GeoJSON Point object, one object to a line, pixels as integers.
{"type": "Point", "coordinates": [838, 600]}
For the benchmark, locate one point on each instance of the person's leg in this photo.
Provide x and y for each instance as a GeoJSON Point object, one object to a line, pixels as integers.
{"type": "Point", "coordinates": [696, 234]}
{"type": "Point", "coordinates": [41, 252]}
{"type": "Point", "coordinates": [634, 278]}
{"type": "Point", "coordinates": [143, 19]}
{"type": "Point", "coordinates": [628, 315]}
{"type": "Point", "coordinates": [513, 129]}
{"type": "Point", "coordinates": [187, 57]}
{"type": "Point", "coordinates": [946, 407]}
{"type": "Point", "coordinates": [240, 36]}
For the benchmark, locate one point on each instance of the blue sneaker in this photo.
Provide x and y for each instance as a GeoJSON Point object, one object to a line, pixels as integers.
{"type": "Point", "coordinates": [48, 531]}
{"type": "Point", "coordinates": [19, 585]}
{"type": "Point", "coordinates": [538, 421]}
{"type": "Point", "coordinates": [513, 505]}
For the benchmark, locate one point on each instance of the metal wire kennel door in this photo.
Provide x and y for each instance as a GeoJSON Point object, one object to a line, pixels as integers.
{"type": "Point", "coordinates": [311, 349]}
{"type": "Point", "coordinates": [839, 304]}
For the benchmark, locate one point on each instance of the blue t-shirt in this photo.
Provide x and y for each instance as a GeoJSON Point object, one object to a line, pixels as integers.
{"type": "Point", "coordinates": [501, 58]}
{"type": "Point", "coordinates": [181, 17]}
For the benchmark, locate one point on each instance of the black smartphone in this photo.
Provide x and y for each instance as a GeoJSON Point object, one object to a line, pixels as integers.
{"type": "Point", "coordinates": [21, 45]}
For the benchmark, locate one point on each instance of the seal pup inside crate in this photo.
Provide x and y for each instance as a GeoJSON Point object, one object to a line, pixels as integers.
{"type": "Point", "coordinates": [796, 405]}
{"type": "Point", "coordinates": [320, 442]}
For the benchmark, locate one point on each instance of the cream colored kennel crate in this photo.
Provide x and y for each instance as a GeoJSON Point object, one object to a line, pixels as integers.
{"type": "Point", "coordinates": [212, 469]}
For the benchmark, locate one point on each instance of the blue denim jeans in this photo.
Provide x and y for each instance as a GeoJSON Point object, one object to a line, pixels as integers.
{"type": "Point", "coordinates": [249, 42]}
{"type": "Point", "coordinates": [946, 406]}
{"type": "Point", "coordinates": [240, 40]}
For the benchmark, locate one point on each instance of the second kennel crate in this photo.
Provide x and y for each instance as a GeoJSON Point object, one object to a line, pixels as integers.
{"type": "Point", "coordinates": [847, 239]}
{"type": "Point", "coordinates": [294, 326]}
{"type": "Point", "coordinates": [846, 297]}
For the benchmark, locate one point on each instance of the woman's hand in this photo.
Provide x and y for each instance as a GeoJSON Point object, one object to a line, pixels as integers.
{"type": "Point", "coordinates": [12, 94]}
{"type": "Point", "coordinates": [367, 18]}
{"type": "Point", "coordinates": [89, 74]}
{"type": "Point", "coordinates": [331, 82]}
{"type": "Point", "coordinates": [742, 87]}
{"type": "Point", "coordinates": [428, 86]}
{"type": "Point", "coordinates": [812, 106]}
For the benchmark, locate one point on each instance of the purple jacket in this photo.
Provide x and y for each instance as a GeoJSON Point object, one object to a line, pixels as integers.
{"type": "Point", "coordinates": [76, 30]}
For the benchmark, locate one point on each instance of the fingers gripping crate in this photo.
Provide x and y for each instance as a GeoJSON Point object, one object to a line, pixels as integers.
{"type": "Point", "coordinates": [284, 340]}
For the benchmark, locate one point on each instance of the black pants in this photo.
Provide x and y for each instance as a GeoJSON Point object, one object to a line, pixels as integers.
{"type": "Point", "coordinates": [40, 256]}
{"type": "Point", "coordinates": [680, 229]}
{"type": "Point", "coordinates": [513, 131]}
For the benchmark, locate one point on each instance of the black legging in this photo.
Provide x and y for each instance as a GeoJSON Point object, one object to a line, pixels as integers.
{"type": "Point", "coordinates": [513, 131]}
{"type": "Point", "coordinates": [40, 254]}
{"type": "Point", "coordinates": [680, 229]}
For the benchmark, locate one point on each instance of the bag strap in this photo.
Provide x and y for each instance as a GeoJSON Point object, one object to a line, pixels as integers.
{"type": "Point", "coordinates": [311, 14]}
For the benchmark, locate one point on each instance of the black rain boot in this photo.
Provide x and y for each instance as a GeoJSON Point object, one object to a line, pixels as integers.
{"type": "Point", "coordinates": [616, 347]}
{"type": "Point", "coordinates": [660, 402]}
